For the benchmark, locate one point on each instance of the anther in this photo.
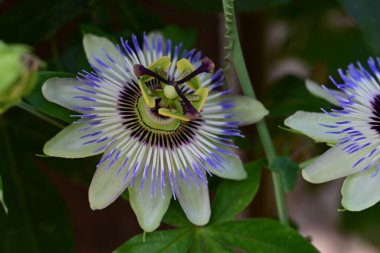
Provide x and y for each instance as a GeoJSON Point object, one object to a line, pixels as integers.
{"type": "Point", "coordinates": [190, 111]}
{"type": "Point", "coordinates": [140, 70]}
{"type": "Point", "coordinates": [207, 66]}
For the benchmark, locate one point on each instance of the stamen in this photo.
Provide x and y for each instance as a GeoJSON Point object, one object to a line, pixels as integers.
{"type": "Point", "coordinates": [190, 111]}
{"type": "Point", "coordinates": [140, 70]}
{"type": "Point", "coordinates": [207, 66]}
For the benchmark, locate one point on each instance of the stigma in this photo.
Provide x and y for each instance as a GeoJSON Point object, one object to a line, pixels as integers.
{"type": "Point", "coordinates": [173, 102]}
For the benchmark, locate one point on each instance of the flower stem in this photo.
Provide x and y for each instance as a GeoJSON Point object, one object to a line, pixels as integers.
{"type": "Point", "coordinates": [33, 111]}
{"type": "Point", "coordinates": [246, 85]}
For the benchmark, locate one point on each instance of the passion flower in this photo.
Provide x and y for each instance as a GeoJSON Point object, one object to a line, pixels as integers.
{"type": "Point", "coordinates": [155, 113]}
{"type": "Point", "coordinates": [353, 131]}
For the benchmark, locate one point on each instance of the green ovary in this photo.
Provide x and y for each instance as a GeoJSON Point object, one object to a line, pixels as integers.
{"type": "Point", "coordinates": [153, 121]}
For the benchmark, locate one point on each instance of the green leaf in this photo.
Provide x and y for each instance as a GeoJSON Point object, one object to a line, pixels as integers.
{"type": "Point", "coordinates": [204, 241]}
{"type": "Point", "coordinates": [2, 196]}
{"type": "Point", "coordinates": [251, 235]}
{"type": "Point", "coordinates": [37, 220]}
{"type": "Point", "coordinates": [37, 100]}
{"type": "Point", "coordinates": [233, 197]}
{"type": "Point", "coordinates": [288, 169]}
{"type": "Point", "coordinates": [365, 13]}
{"type": "Point", "coordinates": [176, 240]}
{"type": "Point", "coordinates": [175, 216]}
{"type": "Point", "coordinates": [125, 195]}
{"type": "Point", "coordinates": [261, 235]}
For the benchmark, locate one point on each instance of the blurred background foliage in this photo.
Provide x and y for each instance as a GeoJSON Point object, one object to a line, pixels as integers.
{"type": "Point", "coordinates": [284, 41]}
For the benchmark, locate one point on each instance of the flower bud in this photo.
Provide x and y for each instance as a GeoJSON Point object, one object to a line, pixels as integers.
{"type": "Point", "coordinates": [18, 68]}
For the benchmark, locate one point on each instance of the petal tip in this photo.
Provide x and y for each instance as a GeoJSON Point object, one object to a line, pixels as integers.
{"type": "Point", "coordinates": [93, 208]}
{"type": "Point", "coordinates": [297, 117]}
{"type": "Point", "coordinates": [309, 177]}
{"type": "Point", "coordinates": [88, 37]}
{"type": "Point", "coordinates": [148, 228]}
{"type": "Point", "coordinates": [360, 192]}
{"type": "Point", "coordinates": [149, 209]}
{"type": "Point", "coordinates": [149, 225]}
{"type": "Point", "coordinates": [242, 175]}
{"type": "Point", "coordinates": [250, 110]}
{"type": "Point", "coordinates": [46, 149]}
{"type": "Point", "coordinates": [48, 87]}
{"type": "Point", "coordinates": [310, 84]}
{"type": "Point", "coordinates": [195, 203]}
{"type": "Point", "coordinates": [96, 203]}
{"type": "Point", "coordinates": [233, 168]}
{"type": "Point", "coordinates": [238, 175]}
{"type": "Point", "coordinates": [200, 220]}
{"type": "Point", "coordinates": [352, 206]}
{"type": "Point", "coordinates": [50, 150]}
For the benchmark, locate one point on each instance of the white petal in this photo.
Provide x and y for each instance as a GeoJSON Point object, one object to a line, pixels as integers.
{"type": "Point", "coordinates": [309, 123]}
{"type": "Point", "coordinates": [110, 181]}
{"type": "Point", "coordinates": [334, 163]}
{"type": "Point", "coordinates": [361, 190]}
{"type": "Point", "coordinates": [94, 46]}
{"type": "Point", "coordinates": [62, 91]}
{"type": "Point", "coordinates": [195, 202]}
{"type": "Point", "coordinates": [232, 168]}
{"type": "Point", "coordinates": [69, 144]}
{"type": "Point", "coordinates": [148, 208]}
{"type": "Point", "coordinates": [248, 110]}
{"type": "Point", "coordinates": [320, 92]}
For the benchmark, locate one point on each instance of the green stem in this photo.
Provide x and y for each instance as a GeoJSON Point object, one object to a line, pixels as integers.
{"type": "Point", "coordinates": [33, 111]}
{"type": "Point", "coordinates": [246, 85]}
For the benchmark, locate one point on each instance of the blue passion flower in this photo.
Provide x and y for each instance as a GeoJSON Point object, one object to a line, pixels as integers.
{"type": "Point", "coordinates": [353, 131]}
{"type": "Point", "coordinates": [156, 114]}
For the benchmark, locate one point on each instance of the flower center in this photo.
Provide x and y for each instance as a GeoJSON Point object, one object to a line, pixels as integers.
{"type": "Point", "coordinates": [153, 120]}
{"type": "Point", "coordinates": [147, 126]}
{"type": "Point", "coordinates": [166, 95]}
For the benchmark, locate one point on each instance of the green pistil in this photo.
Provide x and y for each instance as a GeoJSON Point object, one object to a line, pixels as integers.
{"type": "Point", "coordinates": [173, 103]}
{"type": "Point", "coordinates": [170, 92]}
